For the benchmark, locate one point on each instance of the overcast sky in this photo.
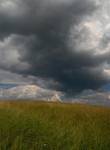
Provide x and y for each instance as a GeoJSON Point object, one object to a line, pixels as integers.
{"type": "Point", "coordinates": [59, 44]}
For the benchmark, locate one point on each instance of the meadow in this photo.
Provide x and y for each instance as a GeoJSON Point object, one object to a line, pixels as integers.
{"type": "Point", "coordinates": [30, 125]}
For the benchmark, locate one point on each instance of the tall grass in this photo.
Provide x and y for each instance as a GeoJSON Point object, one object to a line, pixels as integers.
{"type": "Point", "coordinates": [53, 126]}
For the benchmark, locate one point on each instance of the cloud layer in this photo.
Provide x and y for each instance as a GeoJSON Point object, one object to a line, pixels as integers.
{"type": "Point", "coordinates": [64, 42]}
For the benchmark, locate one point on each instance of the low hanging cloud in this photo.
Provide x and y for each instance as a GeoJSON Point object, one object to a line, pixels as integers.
{"type": "Point", "coordinates": [64, 42]}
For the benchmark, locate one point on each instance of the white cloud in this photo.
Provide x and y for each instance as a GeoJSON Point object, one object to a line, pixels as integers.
{"type": "Point", "coordinates": [9, 53]}
{"type": "Point", "coordinates": [93, 30]}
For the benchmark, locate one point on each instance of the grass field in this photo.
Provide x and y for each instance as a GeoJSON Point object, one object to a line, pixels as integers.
{"type": "Point", "coordinates": [53, 126]}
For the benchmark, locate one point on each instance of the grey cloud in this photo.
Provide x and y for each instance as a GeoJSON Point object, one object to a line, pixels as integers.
{"type": "Point", "coordinates": [41, 32]}
{"type": "Point", "coordinates": [36, 17]}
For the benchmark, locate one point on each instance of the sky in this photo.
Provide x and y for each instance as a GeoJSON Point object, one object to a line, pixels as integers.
{"type": "Point", "coordinates": [57, 44]}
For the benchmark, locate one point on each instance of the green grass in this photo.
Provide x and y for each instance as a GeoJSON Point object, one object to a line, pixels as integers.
{"type": "Point", "coordinates": [53, 126]}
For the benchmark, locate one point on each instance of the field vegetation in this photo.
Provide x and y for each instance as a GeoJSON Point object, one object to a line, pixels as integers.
{"type": "Point", "coordinates": [30, 125]}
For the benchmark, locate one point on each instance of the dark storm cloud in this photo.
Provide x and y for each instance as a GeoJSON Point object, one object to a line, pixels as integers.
{"type": "Point", "coordinates": [38, 17]}
{"type": "Point", "coordinates": [42, 30]}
